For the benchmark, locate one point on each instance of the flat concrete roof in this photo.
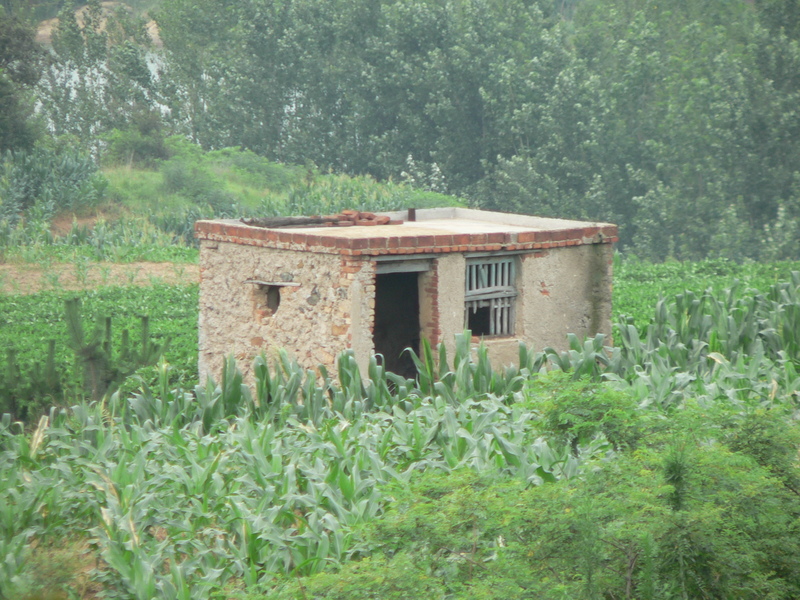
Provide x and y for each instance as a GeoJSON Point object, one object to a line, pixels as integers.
{"type": "Point", "coordinates": [434, 230]}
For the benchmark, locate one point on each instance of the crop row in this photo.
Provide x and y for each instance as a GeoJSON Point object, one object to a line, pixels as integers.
{"type": "Point", "coordinates": [43, 363]}
{"type": "Point", "coordinates": [184, 491]}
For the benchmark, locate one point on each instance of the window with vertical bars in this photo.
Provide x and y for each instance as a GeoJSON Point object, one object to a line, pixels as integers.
{"type": "Point", "coordinates": [490, 296]}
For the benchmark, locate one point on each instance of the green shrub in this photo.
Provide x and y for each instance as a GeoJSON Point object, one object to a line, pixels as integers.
{"type": "Point", "coordinates": [249, 168]}
{"type": "Point", "coordinates": [39, 184]}
{"type": "Point", "coordinates": [612, 533]}
{"type": "Point", "coordinates": [772, 442]}
{"type": "Point", "coordinates": [399, 578]}
{"type": "Point", "coordinates": [197, 182]}
{"type": "Point", "coordinates": [133, 147]}
{"type": "Point", "coordinates": [577, 411]}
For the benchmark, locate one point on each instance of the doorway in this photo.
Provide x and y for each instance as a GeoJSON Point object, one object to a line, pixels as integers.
{"type": "Point", "coordinates": [397, 320]}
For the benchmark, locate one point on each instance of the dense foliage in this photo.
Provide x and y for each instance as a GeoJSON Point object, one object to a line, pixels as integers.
{"type": "Point", "coordinates": [36, 185]}
{"type": "Point", "coordinates": [98, 76]}
{"type": "Point", "coordinates": [674, 120]}
{"type": "Point", "coordinates": [704, 517]}
{"type": "Point", "coordinates": [19, 58]}
{"type": "Point", "coordinates": [663, 468]}
{"type": "Point", "coordinates": [639, 284]}
{"type": "Point", "coordinates": [51, 355]}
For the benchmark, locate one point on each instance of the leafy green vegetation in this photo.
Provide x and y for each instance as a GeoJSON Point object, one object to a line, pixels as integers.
{"type": "Point", "coordinates": [36, 185]}
{"type": "Point", "coordinates": [41, 364]}
{"type": "Point", "coordinates": [617, 531]}
{"type": "Point", "coordinates": [639, 284]}
{"type": "Point", "coordinates": [20, 58]}
{"type": "Point", "coordinates": [675, 121]}
{"type": "Point", "coordinates": [120, 242]}
{"type": "Point", "coordinates": [665, 467]}
{"type": "Point", "coordinates": [149, 214]}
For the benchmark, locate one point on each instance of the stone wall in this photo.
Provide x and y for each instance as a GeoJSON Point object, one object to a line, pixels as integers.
{"type": "Point", "coordinates": [452, 277]}
{"type": "Point", "coordinates": [324, 280]}
{"type": "Point", "coordinates": [325, 305]}
{"type": "Point", "coordinates": [565, 290]}
{"type": "Point", "coordinates": [358, 285]}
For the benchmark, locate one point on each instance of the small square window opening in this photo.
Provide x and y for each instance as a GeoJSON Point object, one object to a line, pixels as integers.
{"type": "Point", "coordinates": [268, 298]}
{"type": "Point", "coordinates": [490, 296]}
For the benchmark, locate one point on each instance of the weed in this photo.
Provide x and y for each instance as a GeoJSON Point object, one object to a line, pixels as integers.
{"type": "Point", "coordinates": [57, 570]}
{"type": "Point", "coordinates": [82, 270]}
{"type": "Point", "coordinates": [51, 279]}
{"type": "Point", "coordinates": [180, 272]}
{"type": "Point", "coordinates": [131, 275]}
{"type": "Point", "coordinates": [105, 273]}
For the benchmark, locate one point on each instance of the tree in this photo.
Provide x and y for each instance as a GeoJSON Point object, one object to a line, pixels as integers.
{"type": "Point", "coordinates": [98, 77]}
{"type": "Point", "coordinates": [780, 16]}
{"type": "Point", "coordinates": [19, 59]}
{"type": "Point", "coordinates": [676, 121]}
{"type": "Point", "coordinates": [357, 85]}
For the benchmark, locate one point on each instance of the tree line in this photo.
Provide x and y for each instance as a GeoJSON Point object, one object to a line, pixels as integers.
{"type": "Point", "coordinates": [676, 120]}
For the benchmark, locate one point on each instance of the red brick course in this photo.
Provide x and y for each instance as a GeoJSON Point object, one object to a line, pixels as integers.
{"type": "Point", "coordinates": [376, 244]}
{"type": "Point", "coordinates": [432, 328]}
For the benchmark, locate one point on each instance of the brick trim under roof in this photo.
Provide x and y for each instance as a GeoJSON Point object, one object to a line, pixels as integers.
{"type": "Point", "coordinates": [396, 239]}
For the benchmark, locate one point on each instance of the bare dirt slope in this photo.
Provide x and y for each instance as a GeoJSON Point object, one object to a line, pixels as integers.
{"type": "Point", "coordinates": [44, 31]}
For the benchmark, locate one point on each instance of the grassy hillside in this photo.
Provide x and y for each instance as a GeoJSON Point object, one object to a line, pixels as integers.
{"type": "Point", "coordinates": [125, 213]}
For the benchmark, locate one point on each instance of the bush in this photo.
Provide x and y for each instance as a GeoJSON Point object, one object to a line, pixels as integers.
{"type": "Point", "coordinates": [612, 533]}
{"type": "Point", "coordinates": [577, 411]}
{"type": "Point", "coordinates": [141, 145]}
{"type": "Point", "coordinates": [772, 443]}
{"type": "Point", "coordinates": [39, 184]}
{"type": "Point", "coordinates": [255, 170]}
{"type": "Point", "coordinates": [188, 178]}
{"type": "Point", "coordinates": [399, 578]}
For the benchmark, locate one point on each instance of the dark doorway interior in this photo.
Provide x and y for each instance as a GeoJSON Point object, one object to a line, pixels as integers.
{"type": "Point", "coordinates": [397, 320]}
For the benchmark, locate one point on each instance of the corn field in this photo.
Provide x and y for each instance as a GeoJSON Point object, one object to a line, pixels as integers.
{"type": "Point", "coordinates": [180, 492]}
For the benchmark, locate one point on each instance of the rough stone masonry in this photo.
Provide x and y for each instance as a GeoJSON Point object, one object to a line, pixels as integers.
{"type": "Point", "coordinates": [318, 291]}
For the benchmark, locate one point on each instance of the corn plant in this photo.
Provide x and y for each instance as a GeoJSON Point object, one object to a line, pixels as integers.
{"type": "Point", "coordinates": [736, 344]}
{"type": "Point", "coordinates": [180, 491]}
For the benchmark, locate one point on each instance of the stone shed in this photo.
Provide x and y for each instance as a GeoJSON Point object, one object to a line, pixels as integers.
{"type": "Point", "coordinates": [380, 288]}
